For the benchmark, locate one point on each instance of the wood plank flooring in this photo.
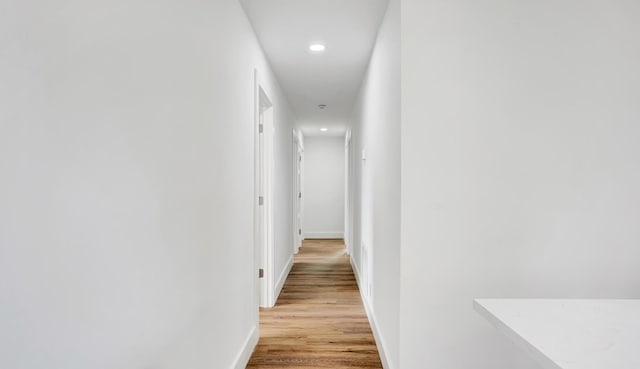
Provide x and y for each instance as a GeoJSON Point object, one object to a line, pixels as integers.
{"type": "Point", "coordinates": [319, 320]}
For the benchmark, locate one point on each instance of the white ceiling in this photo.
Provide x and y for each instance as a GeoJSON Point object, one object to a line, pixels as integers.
{"type": "Point", "coordinates": [348, 28]}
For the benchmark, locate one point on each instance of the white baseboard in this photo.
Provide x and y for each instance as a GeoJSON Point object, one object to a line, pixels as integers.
{"type": "Point", "coordinates": [378, 337]}
{"type": "Point", "coordinates": [283, 277]}
{"type": "Point", "coordinates": [324, 235]}
{"type": "Point", "coordinates": [247, 349]}
{"type": "Point", "coordinates": [372, 320]}
{"type": "Point", "coordinates": [356, 272]}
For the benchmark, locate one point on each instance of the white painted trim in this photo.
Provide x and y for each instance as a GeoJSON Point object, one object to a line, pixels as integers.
{"type": "Point", "coordinates": [356, 272]}
{"type": "Point", "coordinates": [372, 321]}
{"type": "Point", "coordinates": [331, 235]}
{"type": "Point", "coordinates": [256, 192]}
{"type": "Point", "coordinates": [347, 187]}
{"type": "Point", "coordinates": [295, 199]}
{"type": "Point", "coordinates": [377, 336]}
{"type": "Point", "coordinates": [283, 277]}
{"type": "Point", "coordinates": [264, 236]}
{"type": "Point", "coordinates": [249, 345]}
{"type": "Point", "coordinates": [297, 178]}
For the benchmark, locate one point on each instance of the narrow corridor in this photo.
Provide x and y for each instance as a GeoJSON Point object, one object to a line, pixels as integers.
{"type": "Point", "coordinates": [319, 320]}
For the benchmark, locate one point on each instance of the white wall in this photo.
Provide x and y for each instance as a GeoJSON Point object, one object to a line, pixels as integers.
{"type": "Point", "coordinates": [323, 194]}
{"type": "Point", "coordinates": [283, 186]}
{"type": "Point", "coordinates": [375, 183]}
{"type": "Point", "coordinates": [520, 165]}
{"type": "Point", "coordinates": [126, 156]}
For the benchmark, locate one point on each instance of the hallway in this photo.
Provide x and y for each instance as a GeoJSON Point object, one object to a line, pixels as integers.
{"type": "Point", "coordinates": [161, 163]}
{"type": "Point", "coordinates": [319, 320]}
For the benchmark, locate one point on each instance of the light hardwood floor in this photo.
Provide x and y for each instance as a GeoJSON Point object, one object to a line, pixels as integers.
{"type": "Point", "coordinates": [319, 320]}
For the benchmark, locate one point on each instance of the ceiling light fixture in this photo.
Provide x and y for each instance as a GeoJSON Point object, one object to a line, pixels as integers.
{"type": "Point", "coordinates": [317, 48]}
{"type": "Point", "coordinates": [324, 129]}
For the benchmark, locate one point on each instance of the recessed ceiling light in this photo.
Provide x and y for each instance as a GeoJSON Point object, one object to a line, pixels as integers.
{"type": "Point", "coordinates": [317, 48]}
{"type": "Point", "coordinates": [324, 129]}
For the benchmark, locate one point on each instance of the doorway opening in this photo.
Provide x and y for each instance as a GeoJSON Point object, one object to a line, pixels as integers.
{"type": "Point", "coordinates": [263, 222]}
{"type": "Point", "coordinates": [297, 191]}
{"type": "Point", "coordinates": [348, 212]}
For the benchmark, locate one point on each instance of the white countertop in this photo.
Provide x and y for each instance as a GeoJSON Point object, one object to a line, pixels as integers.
{"type": "Point", "coordinates": [570, 334]}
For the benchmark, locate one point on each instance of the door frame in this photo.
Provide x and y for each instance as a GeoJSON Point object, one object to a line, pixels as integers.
{"type": "Point", "coordinates": [347, 193]}
{"type": "Point", "coordinates": [297, 170]}
{"type": "Point", "coordinates": [263, 195]}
